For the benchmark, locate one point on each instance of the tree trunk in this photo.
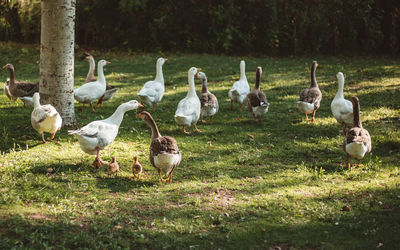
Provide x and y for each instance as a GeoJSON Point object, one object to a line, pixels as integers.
{"type": "Point", "coordinates": [57, 57]}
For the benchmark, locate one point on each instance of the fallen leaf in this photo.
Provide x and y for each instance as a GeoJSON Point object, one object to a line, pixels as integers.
{"type": "Point", "coordinates": [346, 209]}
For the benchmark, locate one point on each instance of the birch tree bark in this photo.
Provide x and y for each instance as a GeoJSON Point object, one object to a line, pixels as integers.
{"type": "Point", "coordinates": [57, 40]}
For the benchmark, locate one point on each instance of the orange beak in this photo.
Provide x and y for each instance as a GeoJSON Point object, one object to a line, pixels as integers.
{"type": "Point", "coordinates": [107, 62]}
{"type": "Point", "coordinates": [165, 59]}
{"type": "Point", "coordinates": [5, 67]}
{"type": "Point", "coordinates": [197, 74]}
{"type": "Point", "coordinates": [140, 106]}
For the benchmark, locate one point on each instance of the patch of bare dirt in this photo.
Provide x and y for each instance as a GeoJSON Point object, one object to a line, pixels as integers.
{"type": "Point", "coordinates": [40, 216]}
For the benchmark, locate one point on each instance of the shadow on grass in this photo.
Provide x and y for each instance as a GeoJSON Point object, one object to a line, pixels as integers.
{"type": "Point", "coordinates": [162, 222]}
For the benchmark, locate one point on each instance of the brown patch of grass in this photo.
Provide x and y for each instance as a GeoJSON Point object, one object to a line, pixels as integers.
{"type": "Point", "coordinates": [39, 216]}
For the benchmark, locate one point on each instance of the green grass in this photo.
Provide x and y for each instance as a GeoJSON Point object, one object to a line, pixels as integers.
{"type": "Point", "coordinates": [279, 183]}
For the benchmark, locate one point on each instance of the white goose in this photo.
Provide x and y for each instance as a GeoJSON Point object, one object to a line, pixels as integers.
{"type": "Point", "coordinates": [153, 91]}
{"type": "Point", "coordinates": [98, 134]}
{"type": "Point", "coordinates": [188, 111]}
{"type": "Point", "coordinates": [91, 91]}
{"type": "Point", "coordinates": [342, 109]}
{"type": "Point", "coordinates": [27, 100]}
{"type": "Point", "coordinates": [241, 88]}
{"type": "Point", "coordinates": [110, 90]}
{"type": "Point", "coordinates": [45, 118]}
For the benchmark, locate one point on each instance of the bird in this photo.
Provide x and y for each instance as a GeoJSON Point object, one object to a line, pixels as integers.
{"type": "Point", "coordinates": [7, 91]}
{"type": "Point", "coordinates": [113, 167]}
{"type": "Point", "coordinates": [164, 152]}
{"type": "Point", "coordinates": [19, 89]}
{"type": "Point", "coordinates": [96, 135]}
{"type": "Point", "coordinates": [92, 65]}
{"type": "Point", "coordinates": [136, 168]}
{"type": "Point", "coordinates": [27, 100]}
{"type": "Point", "coordinates": [91, 91]}
{"type": "Point", "coordinates": [208, 101]}
{"type": "Point", "coordinates": [256, 99]}
{"type": "Point", "coordinates": [45, 118]}
{"type": "Point", "coordinates": [357, 141]}
{"type": "Point", "coordinates": [241, 88]}
{"type": "Point", "coordinates": [188, 110]}
{"type": "Point", "coordinates": [310, 98]}
{"type": "Point", "coordinates": [110, 90]}
{"type": "Point", "coordinates": [342, 109]}
{"type": "Point", "coordinates": [153, 91]}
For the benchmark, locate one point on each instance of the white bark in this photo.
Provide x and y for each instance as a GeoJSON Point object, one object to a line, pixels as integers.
{"type": "Point", "coordinates": [57, 57]}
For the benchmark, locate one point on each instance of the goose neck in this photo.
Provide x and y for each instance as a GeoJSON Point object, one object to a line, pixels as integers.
{"type": "Point", "coordinates": [258, 79]}
{"type": "Point", "coordinates": [12, 76]}
{"type": "Point", "coordinates": [91, 68]}
{"type": "Point", "coordinates": [36, 102]}
{"type": "Point", "coordinates": [118, 115]}
{"type": "Point", "coordinates": [313, 79]}
{"type": "Point", "coordinates": [242, 73]}
{"type": "Point", "coordinates": [159, 73]}
{"type": "Point", "coordinates": [204, 88]}
{"type": "Point", "coordinates": [100, 73]}
{"type": "Point", "coordinates": [356, 114]}
{"type": "Point", "coordinates": [339, 93]}
{"type": "Point", "coordinates": [192, 89]}
{"type": "Point", "coordinates": [155, 133]}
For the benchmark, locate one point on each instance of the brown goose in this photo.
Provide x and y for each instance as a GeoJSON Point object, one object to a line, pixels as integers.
{"type": "Point", "coordinates": [89, 58]}
{"type": "Point", "coordinates": [310, 98]}
{"type": "Point", "coordinates": [7, 91]}
{"type": "Point", "coordinates": [18, 89]}
{"type": "Point", "coordinates": [164, 151]}
{"type": "Point", "coordinates": [136, 168]}
{"type": "Point", "coordinates": [256, 99]}
{"type": "Point", "coordinates": [357, 141]}
{"type": "Point", "coordinates": [110, 90]}
{"type": "Point", "coordinates": [208, 101]}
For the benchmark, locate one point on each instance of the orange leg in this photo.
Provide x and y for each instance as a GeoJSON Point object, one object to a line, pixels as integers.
{"type": "Point", "coordinates": [159, 173]}
{"type": "Point", "coordinates": [154, 107]}
{"type": "Point", "coordinates": [347, 161]}
{"type": "Point", "coordinates": [43, 140]}
{"type": "Point", "coordinates": [169, 178]}
{"type": "Point", "coordinates": [91, 106]}
{"type": "Point", "coordinates": [83, 105]}
{"type": "Point", "coordinates": [197, 130]}
{"type": "Point", "coordinates": [307, 117]}
{"type": "Point", "coordinates": [98, 161]}
{"type": "Point", "coordinates": [313, 117]}
{"type": "Point", "coordinates": [184, 130]}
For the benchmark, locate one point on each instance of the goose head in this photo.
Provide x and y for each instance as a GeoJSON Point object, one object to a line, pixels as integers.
{"type": "Point", "coordinates": [193, 71]}
{"type": "Point", "coordinates": [242, 65]}
{"type": "Point", "coordinates": [36, 97]}
{"type": "Point", "coordinates": [340, 77]}
{"type": "Point", "coordinates": [161, 61]}
{"type": "Point", "coordinates": [86, 56]}
{"type": "Point", "coordinates": [8, 66]}
{"type": "Point", "coordinates": [202, 76]}
{"type": "Point", "coordinates": [103, 62]}
{"type": "Point", "coordinates": [131, 105]}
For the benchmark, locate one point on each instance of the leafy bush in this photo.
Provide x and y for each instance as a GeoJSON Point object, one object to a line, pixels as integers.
{"type": "Point", "coordinates": [265, 27]}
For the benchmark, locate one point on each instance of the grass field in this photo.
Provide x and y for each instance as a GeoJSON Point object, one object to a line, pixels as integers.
{"type": "Point", "coordinates": [279, 183]}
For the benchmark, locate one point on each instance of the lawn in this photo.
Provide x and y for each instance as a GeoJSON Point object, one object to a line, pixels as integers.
{"type": "Point", "coordinates": [240, 185]}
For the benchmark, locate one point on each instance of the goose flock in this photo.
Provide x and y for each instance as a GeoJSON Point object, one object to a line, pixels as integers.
{"type": "Point", "coordinates": [164, 154]}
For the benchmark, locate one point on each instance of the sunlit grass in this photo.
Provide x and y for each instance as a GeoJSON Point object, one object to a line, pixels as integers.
{"type": "Point", "coordinates": [240, 185]}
